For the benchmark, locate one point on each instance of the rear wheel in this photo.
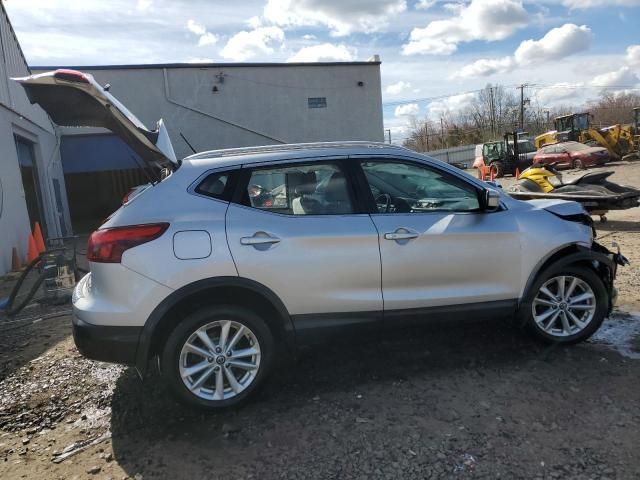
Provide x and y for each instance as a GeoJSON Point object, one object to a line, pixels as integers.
{"type": "Point", "coordinates": [497, 168]}
{"type": "Point", "coordinates": [567, 305]}
{"type": "Point", "coordinates": [217, 356]}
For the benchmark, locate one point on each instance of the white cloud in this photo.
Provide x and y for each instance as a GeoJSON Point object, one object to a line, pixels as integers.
{"type": "Point", "coordinates": [143, 5]}
{"type": "Point", "coordinates": [248, 44]}
{"type": "Point", "coordinates": [322, 53]}
{"type": "Point", "coordinates": [486, 66]}
{"type": "Point", "coordinates": [453, 104]}
{"type": "Point", "coordinates": [558, 92]}
{"type": "Point", "coordinates": [583, 4]}
{"type": "Point", "coordinates": [488, 20]}
{"type": "Point", "coordinates": [206, 38]}
{"type": "Point", "coordinates": [342, 18]}
{"type": "Point", "coordinates": [624, 76]}
{"type": "Point", "coordinates": [556, 44]}
{"type": "Point", "coordinates": [633, 56]}
{"type": "Point", "coordinates": [254, 22]}
{"type": "Point", "coordinates": [398, 87]}
{"type": "Point", "coordinates": [407, 110]}
{"type": "Point", "coordinates": [195, 27]}
{"type": "Point", "coordinates": [200, 60]}
{"type": "Point", "coordinates": [425, 4]}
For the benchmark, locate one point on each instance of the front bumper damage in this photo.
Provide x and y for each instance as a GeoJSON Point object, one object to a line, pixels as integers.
{"type": "Point", "coordinates": [606, 263]}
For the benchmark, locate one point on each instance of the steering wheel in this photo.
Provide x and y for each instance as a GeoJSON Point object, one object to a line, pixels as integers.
{"type": "Point", "coordinates": [387, 202]}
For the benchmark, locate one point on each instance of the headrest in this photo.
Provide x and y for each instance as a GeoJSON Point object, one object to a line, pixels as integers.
{"type": "Point", "coordinates": [336, 190]}
{"type": "Point", "coordinates": [302, 183]}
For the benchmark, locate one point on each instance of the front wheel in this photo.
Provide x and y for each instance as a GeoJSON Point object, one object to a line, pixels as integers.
{"type": "Point", "coordinates": [217, 356]}
{"type": "Point", "coordinates": [577, 164]}
{"type": "Point", "coordinates": [566, 306]}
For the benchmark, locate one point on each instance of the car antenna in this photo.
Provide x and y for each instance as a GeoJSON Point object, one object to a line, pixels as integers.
{"type": "Point", "coordinates": [187, 142]}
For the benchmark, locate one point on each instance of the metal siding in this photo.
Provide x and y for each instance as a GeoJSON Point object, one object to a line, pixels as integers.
{"type": "Point", "coordinates": [462, 154]}
{"type": "Point", "coordinates": [13, 64]}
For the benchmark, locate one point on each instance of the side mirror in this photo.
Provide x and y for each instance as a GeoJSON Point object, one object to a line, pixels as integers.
{"type": "Point", "coordinates": [491, 200]}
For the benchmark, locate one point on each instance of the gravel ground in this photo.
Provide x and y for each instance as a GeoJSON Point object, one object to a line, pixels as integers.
{"type": "Point", "coordinates": [473, 400]}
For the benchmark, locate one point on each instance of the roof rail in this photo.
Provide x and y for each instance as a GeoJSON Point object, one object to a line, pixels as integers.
{"type": "Point", "coordinates": [227, 152]}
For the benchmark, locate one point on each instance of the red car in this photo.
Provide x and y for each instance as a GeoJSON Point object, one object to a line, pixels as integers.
{"type": "Point", "coordinates": [572, 155]}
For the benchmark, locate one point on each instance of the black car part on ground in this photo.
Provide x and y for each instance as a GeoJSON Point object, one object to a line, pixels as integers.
{"type": "Point", "coordinates": [57, 260]}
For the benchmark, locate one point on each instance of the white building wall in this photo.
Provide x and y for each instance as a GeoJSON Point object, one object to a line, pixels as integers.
{"type": "Point", "coordinates": [254, 104]}
{"type": "Point", "coordinates": [19, 117]}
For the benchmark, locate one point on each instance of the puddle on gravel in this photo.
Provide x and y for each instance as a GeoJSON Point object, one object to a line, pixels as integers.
{"type": "Point", "coordinates": [620, 332]}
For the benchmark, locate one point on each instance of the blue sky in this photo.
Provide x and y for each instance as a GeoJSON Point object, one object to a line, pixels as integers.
{"type": "Point", "coordinates": [569, 50]}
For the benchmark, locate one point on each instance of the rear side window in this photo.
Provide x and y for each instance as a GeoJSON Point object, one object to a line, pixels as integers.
{"type": "Point", "coordinates": [316, 189]}
{"type": "Point", "coordinates": [215, 185]}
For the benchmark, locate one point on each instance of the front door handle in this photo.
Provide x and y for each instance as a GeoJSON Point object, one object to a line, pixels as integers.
{"type": "Point", "coordinates": [401, 234]}
{"type": "Point", "coordinates": [259, 238]}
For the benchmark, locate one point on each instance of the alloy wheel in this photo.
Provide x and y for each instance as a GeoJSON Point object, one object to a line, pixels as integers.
{"type": "Point", "coordinates": [219, 360]}
{"type": "Point", "coordinates": [564, 306]}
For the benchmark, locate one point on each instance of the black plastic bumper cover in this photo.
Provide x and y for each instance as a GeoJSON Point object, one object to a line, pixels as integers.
{"type": "Point", "coordinates": [113, 344]}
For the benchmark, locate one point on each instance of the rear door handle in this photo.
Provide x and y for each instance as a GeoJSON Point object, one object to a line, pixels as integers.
{"type": "Point", "coordinates": [401, 234]}
{"type": "Point", "coordinates": [259, 239]}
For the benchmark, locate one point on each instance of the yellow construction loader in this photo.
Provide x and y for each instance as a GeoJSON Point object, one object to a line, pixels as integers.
{"type": "Point", "coordinates": [617, 139]}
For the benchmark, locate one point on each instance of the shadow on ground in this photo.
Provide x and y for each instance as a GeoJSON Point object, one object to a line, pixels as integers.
{"type": "Point", "coordinates": [399, 404]}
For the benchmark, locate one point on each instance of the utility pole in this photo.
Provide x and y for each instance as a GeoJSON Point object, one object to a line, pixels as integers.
{"type": "Point", "coordinates": [492, 112]}
{"type": "Point", "coordinates": [426, 134]}
{"type": "Point", "coordinates": [442, 132]}
{"type": "Point", "coordinates": [521, 87]}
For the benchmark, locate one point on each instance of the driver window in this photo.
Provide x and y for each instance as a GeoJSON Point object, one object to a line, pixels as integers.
{"type": "Point", "coordinates": [400, 187]}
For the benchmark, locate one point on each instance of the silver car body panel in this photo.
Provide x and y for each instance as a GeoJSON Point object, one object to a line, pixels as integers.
{"type": "Point", "coordinates": [331, 264]}
{"type": "Point", "coordinates": [320, 264]}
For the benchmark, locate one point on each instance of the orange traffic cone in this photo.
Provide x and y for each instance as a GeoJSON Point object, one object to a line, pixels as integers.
{"type": "Point", "coordinates": [492, 174]}
{"type": "Point", "coordinates": [517, 173]}
{"type": "Point", "coordinates": [16, 264]}
{"type": "Point", "coordinates": [32, 250]}
{"type": "Point", "coordinates": [37, 236]}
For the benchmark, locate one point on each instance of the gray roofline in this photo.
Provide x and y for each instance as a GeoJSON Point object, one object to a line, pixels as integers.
{"type": "Point", "coordinates": [145, 66]}
{"type": "Point", "coordinates": [291, 147]}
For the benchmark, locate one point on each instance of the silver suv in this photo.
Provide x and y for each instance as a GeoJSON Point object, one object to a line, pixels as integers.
{"type": "Point", "coordinates": [236, 256]}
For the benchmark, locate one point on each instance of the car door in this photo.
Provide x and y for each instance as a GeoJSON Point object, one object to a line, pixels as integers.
{"type": "Point", "coordinates": [295, 229]}
{"type": "Point", "coordinates": [438, 247]}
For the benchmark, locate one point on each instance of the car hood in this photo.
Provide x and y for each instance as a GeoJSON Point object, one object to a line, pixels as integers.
{"type": "Point", "coordinates": [561, 208]}
{"type": "Point", "coordinates": [76, 99]}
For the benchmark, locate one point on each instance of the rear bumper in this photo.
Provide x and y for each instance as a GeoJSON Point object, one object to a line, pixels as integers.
{"type": "Point", "coordinates": [108, 343]}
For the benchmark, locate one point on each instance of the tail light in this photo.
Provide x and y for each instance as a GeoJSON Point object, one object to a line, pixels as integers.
{"type": "Point", "coordinates": [70, 75]}
{"type": "Point", "coordinates": [108, 245]}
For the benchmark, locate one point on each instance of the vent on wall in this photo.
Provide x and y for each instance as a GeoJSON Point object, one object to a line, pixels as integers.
{"type": "Point", "coordinates": [317, 102]}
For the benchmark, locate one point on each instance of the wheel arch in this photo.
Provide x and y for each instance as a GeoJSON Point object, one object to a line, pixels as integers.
{"type": "Point", "coordinates": [212, 291]}
{"type": "Point", "coordinates": [571, 254]}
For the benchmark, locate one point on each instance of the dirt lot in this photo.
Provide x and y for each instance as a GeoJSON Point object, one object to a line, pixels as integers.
{"type": "Point", "coordinates": [456, 401]}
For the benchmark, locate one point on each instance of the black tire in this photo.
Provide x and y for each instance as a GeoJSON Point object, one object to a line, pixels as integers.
{"type": "Point", "coordinates": [577, 164]}
{"type": "Point", "coordinates": [601, 298]}
{"type": "Point", "coordinates": [26, 287]}
{"type": "Point", "coordinates": [170, 358]}
{"type": "Point", "coordinates": [498, 169]}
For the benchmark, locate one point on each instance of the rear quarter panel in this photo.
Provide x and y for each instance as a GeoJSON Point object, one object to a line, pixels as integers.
{"type": "Point", "coordinates": [171, 202]}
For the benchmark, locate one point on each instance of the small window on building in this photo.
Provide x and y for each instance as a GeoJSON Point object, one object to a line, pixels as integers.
{"type": "Point", "coordinates": [214, 185]}
{"type": "Point", "coordinates": [317, 102]}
